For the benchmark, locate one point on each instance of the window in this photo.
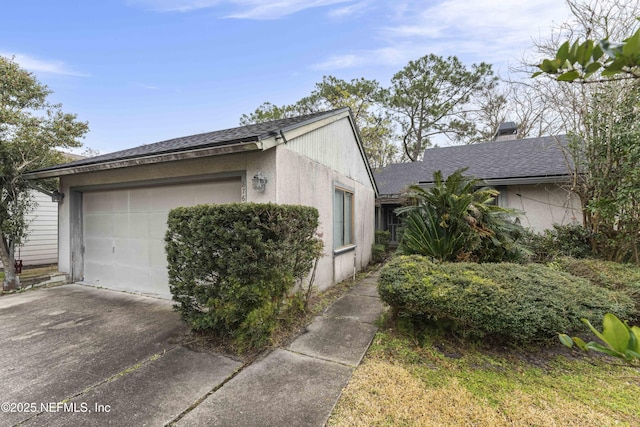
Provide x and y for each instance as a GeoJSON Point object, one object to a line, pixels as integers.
{"type": "Point", "coordinates": [342, 218]}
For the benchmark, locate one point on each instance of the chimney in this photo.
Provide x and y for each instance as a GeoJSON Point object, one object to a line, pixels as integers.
{"type": "Point", "coordinates": [506, 132]}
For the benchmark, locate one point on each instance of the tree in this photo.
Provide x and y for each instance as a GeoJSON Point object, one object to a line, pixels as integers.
{"type": "Point", "coordinates": [599, 57]}
{"type": "Point", "coordinates": [431, 96]}
{"type": "Point", "coordinates": [578, 62]}
{"type": "Point", "coordinates": [31, 129]}
{"type": "Point", "coordinates": [600, 118]}
{"type": "Point", "coordinates": [362, 96]}
{"type": "Point", "coordinates": [605, 158]}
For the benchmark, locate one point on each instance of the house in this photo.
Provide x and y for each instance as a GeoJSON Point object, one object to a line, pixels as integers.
{"type": "Point", "coordinates": [112, 220]}
{"type": "Point", "coordinates": [531, 174]}
{"type": "Point", "coordinates": [41, 245]}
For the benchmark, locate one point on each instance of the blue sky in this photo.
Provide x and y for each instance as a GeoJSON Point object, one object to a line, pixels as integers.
{"type": "Point", "coordinates": [141, 71]}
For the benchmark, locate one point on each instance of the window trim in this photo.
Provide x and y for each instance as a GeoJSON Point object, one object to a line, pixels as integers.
{"type": "Point", "coordinates": [337, 250]}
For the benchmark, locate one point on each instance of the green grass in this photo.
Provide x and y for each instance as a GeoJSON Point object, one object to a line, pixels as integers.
{"type": "Point", "coordinates": [34, 272]}
{"type": "Point", "coordinates": [447, 382]}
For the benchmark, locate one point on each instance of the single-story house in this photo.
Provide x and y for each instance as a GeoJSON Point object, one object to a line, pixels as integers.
{"type": "Point", "coordinates": [531, 174]}
{"type": "Point", "coordinates": [112, 220]}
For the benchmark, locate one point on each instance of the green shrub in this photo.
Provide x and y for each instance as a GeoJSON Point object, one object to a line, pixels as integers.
{"type": "Point", "coordinates": [383, 237]}
{"type": "Point", "coordinates": [572, 240]}
{"type": "Point", "coordinates": [505, 302]}
{"type": "Point", "coordinates": [377, 253]}
{"type": "Point", "coordinates": [458, 220]}
{"type": "Point", "coordinates": [231, 266]}
{"type": "Point", "coordinates": [607, 274]}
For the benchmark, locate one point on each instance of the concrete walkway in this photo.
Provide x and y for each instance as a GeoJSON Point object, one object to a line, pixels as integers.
{"type": "Point", "coordinates": [300, 384]}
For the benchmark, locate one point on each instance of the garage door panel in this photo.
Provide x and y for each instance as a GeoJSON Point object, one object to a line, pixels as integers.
{"type": "Point", "coordinates": [98, 249]}
{"type": "Point", "coordinates": [165, 198]}
{"type": "Point", "coordinates": [124, 231]}
{"type": "Point", "coordinates": [99, 225]}
{"type": "Point", "coordinates": [105, 203]}
{"type": "Point", "coordinates": [157, 223]}
{"type": "Point", "coordinates": [139, 225]}
{"type": "Point", "coordinates": [121, 225]}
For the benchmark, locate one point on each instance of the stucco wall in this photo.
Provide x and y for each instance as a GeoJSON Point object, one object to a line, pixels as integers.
{"type": "Point", "coordinates": [303, 180]}
{"type": "Point", "coordinates": [543, 205]}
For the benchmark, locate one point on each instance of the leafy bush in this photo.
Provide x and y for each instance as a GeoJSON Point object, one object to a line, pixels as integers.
{"type": "Point", "coordinates": [606, 274]}
{"type": "Point", "coordinates": [506, 302]}
{"type": "Point", "coordinates": [377, 253]}
{"type": "Point", "coordinates": [457, 220]}
{"type": "Point", "coordinates": [231, 266]}
{"type": "Point", "coordinates": [572, 240]}
{"type": "Point", "coordinates": [621, 340]}
{"type": "Point", "coordinates": [383, 237]}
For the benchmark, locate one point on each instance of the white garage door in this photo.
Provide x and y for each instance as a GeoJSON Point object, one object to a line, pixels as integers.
{"type": "Point", "coordinates": [123, 232]}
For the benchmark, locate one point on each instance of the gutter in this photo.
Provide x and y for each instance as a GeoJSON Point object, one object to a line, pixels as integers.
{"type": "Point", "coordinates": [550, 179]}
{"type": "Point", "coordinates": [147, 160]}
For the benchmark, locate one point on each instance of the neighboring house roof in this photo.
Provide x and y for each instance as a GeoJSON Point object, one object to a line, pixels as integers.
{"type": "Point", "coordinates": [531, 160]}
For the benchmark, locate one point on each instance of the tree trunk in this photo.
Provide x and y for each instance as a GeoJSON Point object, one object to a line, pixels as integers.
{"type": "Point", "coordinates": [7, 257]}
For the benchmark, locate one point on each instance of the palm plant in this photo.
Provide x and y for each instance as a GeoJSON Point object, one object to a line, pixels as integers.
{"type": "Point", "coordinates": [456, 219]}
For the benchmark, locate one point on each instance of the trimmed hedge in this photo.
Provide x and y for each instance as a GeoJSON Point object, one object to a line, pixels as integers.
{"type": "Point", "coordinates": [231, 266]}
{"type": "Point", "coordinates": [607, 274]}
{"type": "Point", "coordinates": [505, 302]}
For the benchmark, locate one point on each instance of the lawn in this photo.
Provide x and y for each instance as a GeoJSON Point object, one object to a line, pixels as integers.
{"type": "Point", "coordinates": [445, 382]}
{"type": "Point", "coordinates": [34, 272]}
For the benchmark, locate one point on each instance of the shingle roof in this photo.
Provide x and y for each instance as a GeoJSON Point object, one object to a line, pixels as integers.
{"type": "Point", "coordinates": [232, 136]}
{"type": "Point", "coordinates": [496, 160]}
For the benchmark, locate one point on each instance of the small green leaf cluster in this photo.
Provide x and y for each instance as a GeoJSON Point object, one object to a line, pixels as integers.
{"type": "Point", "coordinates": [232, 266]}
{"type": "Point", "coordinates": [622, 341]}
{"type": "Point", "coordinates": [579, 61]}
{"type": "Point", "coordinates": [503, 302]}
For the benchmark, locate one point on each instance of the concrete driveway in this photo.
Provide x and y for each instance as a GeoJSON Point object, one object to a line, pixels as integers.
{"type": "Point", "coordinates": [75, 355]}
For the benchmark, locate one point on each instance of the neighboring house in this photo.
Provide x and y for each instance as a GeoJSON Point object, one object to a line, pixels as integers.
{"type": "Point", "coordinates": [113, 217]}
{"type": "Point", "coordinates": [41, 244]}
{"type": "Point", "coordinates": [531, 174]}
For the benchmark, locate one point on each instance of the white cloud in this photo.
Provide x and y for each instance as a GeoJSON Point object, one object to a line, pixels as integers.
{"type": "Point", "coordinates": [494, 31]}
{"type": "Point", "coordinates": [37, 65]}
{"type": "Point", "coordinates": [348, 11]}
{"type": "Point", "coordinates": [246, 9]}
{"type": "Point", "coordinates": [176, 5]}
{"type": "Point", "coordinates": [341, 61]}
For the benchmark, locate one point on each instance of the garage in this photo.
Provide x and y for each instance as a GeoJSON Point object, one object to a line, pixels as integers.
{"type": "Point", "coordinates": [123, 231]}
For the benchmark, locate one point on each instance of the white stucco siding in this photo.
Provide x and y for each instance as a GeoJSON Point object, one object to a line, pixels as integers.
{"type": "Point", "coordinates": [304, 181]}
{"type": "Point", "coordinates": [543, 205]}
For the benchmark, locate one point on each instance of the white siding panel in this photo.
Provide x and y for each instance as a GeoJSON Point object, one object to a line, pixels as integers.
{"type": "Point", "coordinates": [333, 146]}
{"type": "Point", "coordinates": [41, 246]}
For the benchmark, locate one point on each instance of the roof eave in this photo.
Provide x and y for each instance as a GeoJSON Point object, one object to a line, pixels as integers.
{"type": "Point", "coordinates": [147, 160]}
{"type": "Point", "coordinates": [524, 180]}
